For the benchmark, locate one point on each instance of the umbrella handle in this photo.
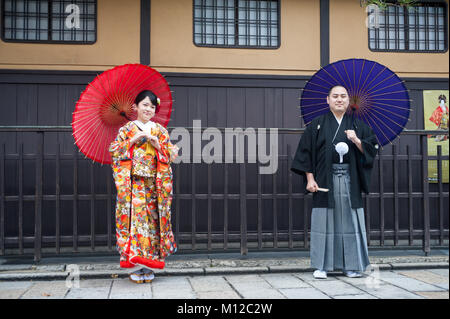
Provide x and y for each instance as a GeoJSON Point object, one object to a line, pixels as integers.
{"type": "Point", "coordinates": [124, 115]}
{"type": "Point", "coordinates": [353, 117]}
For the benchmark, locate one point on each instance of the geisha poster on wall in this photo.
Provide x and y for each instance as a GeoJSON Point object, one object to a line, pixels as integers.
{"type": "Point", "coordinates": [435, 109]}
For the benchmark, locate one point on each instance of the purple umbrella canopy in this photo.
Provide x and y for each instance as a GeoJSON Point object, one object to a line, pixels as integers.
{"type": "Point", "coordinates": [377, 96]}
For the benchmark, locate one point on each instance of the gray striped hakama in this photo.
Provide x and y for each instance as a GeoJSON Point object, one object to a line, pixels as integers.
{"type": "Point", "coordinates": [338, 235]}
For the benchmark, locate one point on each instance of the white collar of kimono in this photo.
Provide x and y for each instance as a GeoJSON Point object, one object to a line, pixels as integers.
{"type": "Point", "coordinates": [145, 127]}
{"type": "Point", "coordinates": [338, 120]}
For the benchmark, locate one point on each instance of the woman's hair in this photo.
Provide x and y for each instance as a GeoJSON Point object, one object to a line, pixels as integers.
{"type": "Point", "coordinates": [153, 98]}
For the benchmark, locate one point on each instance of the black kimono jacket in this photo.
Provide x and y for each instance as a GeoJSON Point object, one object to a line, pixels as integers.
{"type": "Point", "coordinates": [315, 151]}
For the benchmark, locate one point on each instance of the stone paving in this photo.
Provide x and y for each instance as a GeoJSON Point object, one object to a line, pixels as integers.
{"type": "Point", "coordinates": [385, 284]}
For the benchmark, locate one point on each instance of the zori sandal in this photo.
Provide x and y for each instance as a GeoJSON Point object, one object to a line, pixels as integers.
{"type": "Point", "coordinates": [137, 277]}
{"type": "Point", "coordinates": [148, 275]}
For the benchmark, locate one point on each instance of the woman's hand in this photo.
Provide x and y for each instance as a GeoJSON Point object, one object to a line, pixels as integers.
{"type": "Point", "coordinates": [151, 138]}
{"type": "Point", "coordinates": [137, 137]}
{"type": "Point", "coordinates": [154, 141]}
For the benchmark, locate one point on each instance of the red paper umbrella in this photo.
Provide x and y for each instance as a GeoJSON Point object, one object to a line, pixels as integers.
{"type": "Point", "coordinates": [106, 105]}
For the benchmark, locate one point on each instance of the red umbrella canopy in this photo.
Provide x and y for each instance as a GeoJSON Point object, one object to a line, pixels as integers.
{"type": "Point", "coordinates": [106, 105]}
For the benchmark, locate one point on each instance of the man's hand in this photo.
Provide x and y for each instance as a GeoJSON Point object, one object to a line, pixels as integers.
{"type": "Point", "coordinates": [351, 135]}
{"type": "Point", "coordinates": [311, 186]}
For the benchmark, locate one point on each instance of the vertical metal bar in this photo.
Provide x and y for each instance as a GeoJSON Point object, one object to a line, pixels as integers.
{"type": "Point", "coordinates": [38, 197]}
{"type": "Point", "coordinates": [84, 18]}
{"type": "Point", "coordinates": [258, 23]}
{"type": "Point", "coordinates": [436, 27]}
{"type": "Point", "coordinates": [226, 22]}
{"type": "Point", "coordinates": [386, 38]}
{"type": "Point", "coordinates": [396, 217]}
{"type": "Point", "coordinates": [203, 21]}
{"type": "Point", "coordinates": [209, 207]}
{"type": "Point", "coordinates": [305, 220]}
{"type": "Point", "coordinates": [406, 27]}
{"type": "Point", "coordinates": [177, 206]}
{"type": "Point", "coordinates": [243, 208]}
{"type": "Point", "coordinates": [290, 226]}
{"type": "Point", "coordinates": [381, 181]}
{"type": "Point", "coordinates": [50, 21]}
{"type": "Point", "coordinates": [396, 27]}
{"type": "Point", "coordinates": [368, 218]}
{"type": "Point", "coordinates": [2, 201]}
{"type": "Point", "coordinates": [259, 199]}
{"type": "Point", "coordinates": [377, 38]}
{"type": "Point", "coordinates": [110, 214]}
{"type": "Point", "coordinates": [236, 22]}
{"type": "Point", "coordinates": [247, 23]}
{"type": "Point", "coordinates": [416, 26]}
{"type": "Point", "coordinates": [426, 206]}
{"type": "Point", "coordinates": [441, 195]}
{"type": "Point", "coordinates": [274, 212]}
{"type": "Point", "coordinates": [398, 13]}
{"type": "Point", "coordinates": [92, 206]}
{"type": "Point", "coordinates": [427, 47]}
{"type": "Point", "coordinates": [214, 25]}
{"type": "Point", "coordinates": [36, 14]}
{"type": "Point", "coordinates": [410, 198]}
{"type": "Point", "coordinates": [225, 208]}
{"type": "Point", "coordinates": [75, 199]}
{"type": "Point", "coordinates": [26, 15]}
{"type": "Point", "coordinates": [193, 229]}
{"type": "Point", "coordinates": [268, 23]}
{"type": "Point", "coordinates": [57, 197]}
{"type": "Point", "coordinates": [21, 198]}
{"type": "Point", "coordinates": [269, 15]}
{"type": "Point", "coordinates": [13, 20]}
{"type": "Point", "coordinates": [368, 228]}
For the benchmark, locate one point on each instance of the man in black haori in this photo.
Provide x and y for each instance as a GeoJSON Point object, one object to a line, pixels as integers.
{"type": "Point", "coordinates": [335, 155]}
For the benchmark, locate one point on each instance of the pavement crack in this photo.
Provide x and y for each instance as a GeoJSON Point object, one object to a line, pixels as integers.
{"type": "Point", "coordinates": [362, 290]}
{"type": "Point", "coordinates": [192, 287]}
{"type": "Point", "coordinates": [232, 287]}
{"type": "Point", "coordinates": [410, 291]}
{"type": "Point", "coordinates": [26, 290]}
{"type": "Point", "coordinates": [110, 289]}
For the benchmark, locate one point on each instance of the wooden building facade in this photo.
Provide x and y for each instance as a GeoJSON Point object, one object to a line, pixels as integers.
{"type": "Point", "coordinates": [230, 64]}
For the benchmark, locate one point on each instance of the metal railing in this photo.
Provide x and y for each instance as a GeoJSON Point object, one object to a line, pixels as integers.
{"type": "Point", "coordinates": [258, 235]}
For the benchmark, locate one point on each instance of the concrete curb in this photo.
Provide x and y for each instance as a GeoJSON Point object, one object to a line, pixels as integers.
{"type": "Point", "coordinates": [420, 265]}
{"type": "Point", "coordinates": [33, 276]}
{"type": "Point", "coordinates": [28, 274]}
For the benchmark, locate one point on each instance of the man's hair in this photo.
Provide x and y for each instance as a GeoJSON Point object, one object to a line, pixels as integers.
{"type": "Point", "coordinates": [329, 92]}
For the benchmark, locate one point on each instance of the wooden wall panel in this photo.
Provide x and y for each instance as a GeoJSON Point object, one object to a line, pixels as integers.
{"type": "Point", "coordinates": [218, 101]}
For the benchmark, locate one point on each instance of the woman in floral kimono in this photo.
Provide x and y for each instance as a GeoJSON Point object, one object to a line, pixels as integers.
{"type": "Point", "coordinates": [141, 155]}
{"type": "Point", "coordinates": [440, 118]}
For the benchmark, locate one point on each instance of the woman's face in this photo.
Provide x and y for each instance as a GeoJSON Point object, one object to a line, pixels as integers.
{"type": "Point", "coordinates": [145, 110]}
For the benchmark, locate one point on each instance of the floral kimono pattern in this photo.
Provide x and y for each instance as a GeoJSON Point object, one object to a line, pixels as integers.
{"type": "Point", "coordinates": [143, 179]}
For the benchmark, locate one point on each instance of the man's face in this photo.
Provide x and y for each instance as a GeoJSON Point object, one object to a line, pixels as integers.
{"type": "Point", "coordinates": [338, 100]}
